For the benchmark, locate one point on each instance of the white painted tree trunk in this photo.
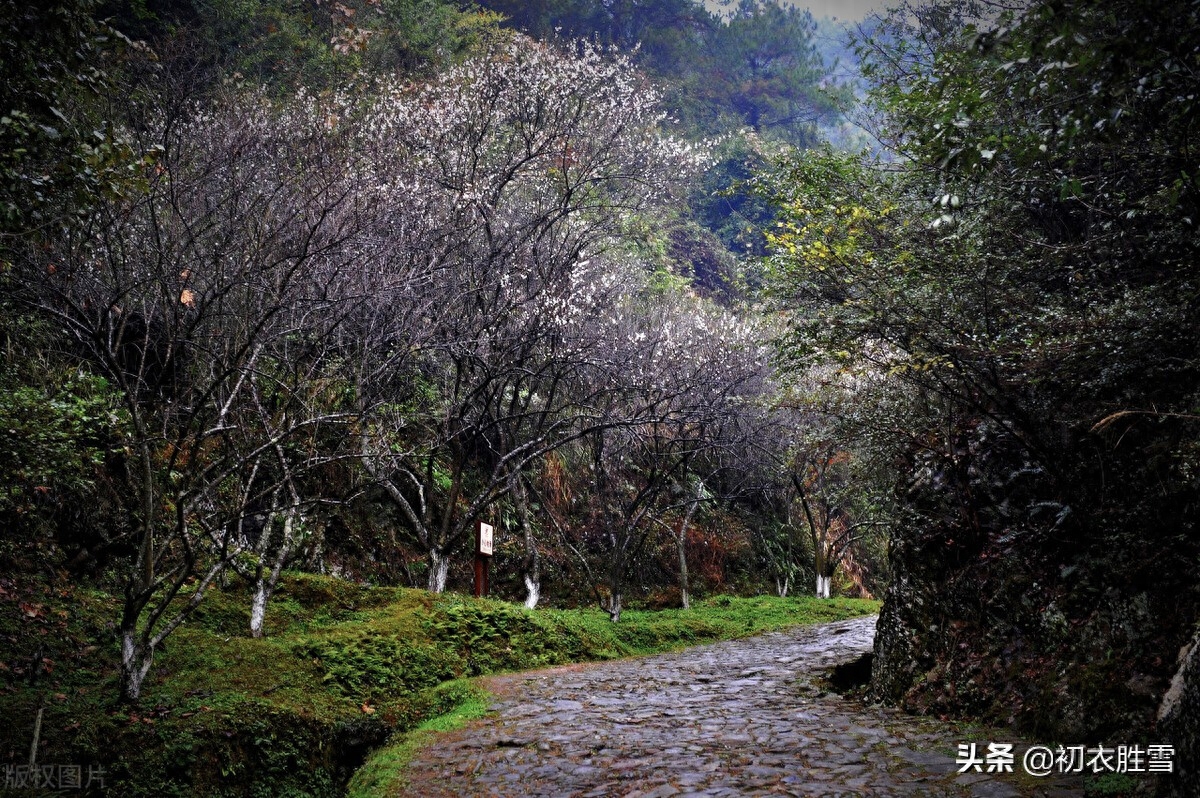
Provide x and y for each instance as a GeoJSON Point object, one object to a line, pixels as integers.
{"type": "Point", "coordinates": [258, 608]}
{"type": "Point", "coordinates": [265, 582]}
{"type": "Point", "coordinates": [135, 664]}
{"type": "Point", "coordinates": [533, 592]}
{"type": "Point", "coordinates": [531, 568]}
{"type": "Point", "coordinates": [782, 585]}
{"type": "Point", "coordinates": [824, 584]}
{"type": "Point", "coordinates": [439, 571]}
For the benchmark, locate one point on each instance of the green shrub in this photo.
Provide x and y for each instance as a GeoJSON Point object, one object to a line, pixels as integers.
{"type": "Point", "coordinates": [371, 666]}
{"type": "Point", "coordinates": [490, 636]}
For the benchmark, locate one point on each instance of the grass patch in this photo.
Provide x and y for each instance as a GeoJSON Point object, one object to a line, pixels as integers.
{"type": "Point", "coordinates": [383, 773]}
{"type": "Point", "coordinates": [1111, 785]}
{"type": "Point", "coordinates": [344, 669]}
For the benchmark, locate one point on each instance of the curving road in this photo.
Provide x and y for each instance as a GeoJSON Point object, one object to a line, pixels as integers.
{"type": "Point", "coordinates": [743, 717]}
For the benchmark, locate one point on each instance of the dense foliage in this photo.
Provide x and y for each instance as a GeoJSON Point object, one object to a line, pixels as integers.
{"type": "Point", "coordinates": [1015, 304]}
{"type": "Point", "coordinates": [757, 67]}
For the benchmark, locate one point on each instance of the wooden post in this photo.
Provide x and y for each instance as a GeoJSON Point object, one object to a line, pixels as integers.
{"type": "Point", "coordinates": [37, 735]}
{"type": "Point", "coordinates": [483, 553]}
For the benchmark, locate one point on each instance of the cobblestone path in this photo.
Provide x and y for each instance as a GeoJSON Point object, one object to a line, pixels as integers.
{"type": "Point", "coordinates": [744, 717]}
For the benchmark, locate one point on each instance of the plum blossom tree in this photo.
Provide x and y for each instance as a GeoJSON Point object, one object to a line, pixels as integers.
{"type": "Point", "coordinates": [684, 371]}
{"type": "Point", "coordinates": [819, 478]}
{"type": "Point", "coordinates": [524, 162]}
{"type": "Point", "coordinates": [193, 294]}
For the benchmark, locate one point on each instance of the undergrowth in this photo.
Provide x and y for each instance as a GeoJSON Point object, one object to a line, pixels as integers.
{"type": "Point", "coordinates": [344, 669]}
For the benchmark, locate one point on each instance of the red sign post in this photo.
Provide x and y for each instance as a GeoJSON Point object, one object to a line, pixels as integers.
{"type": "Point", "coordinates": [483, 554]}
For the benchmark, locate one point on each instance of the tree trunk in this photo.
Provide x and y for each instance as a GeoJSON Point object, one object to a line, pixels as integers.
{"type": "Point", "coordinates": [135, 664]}
{"type": "Point", "coordinates": [258, 607]}
{"type": "Point", "coordinates": [266, 582]}
{"type": "Point", "coordinates": [137, 648]}
{"type": "Point", "coordinates": [531, 567]}
{"type": "Point", "coordinates": [683, 573]}
{"type": "Point", "coordinates": [533, 591]}
{"type": "Point", "coordinates": [615, 578]}
{"type": "Point", "coordinates": [317, 557]}
{"type": "Point", "coordinates": [681, 540]}
{"type": "Point", "coordinates": [136, 658]}
{"type": "Point", "coordinates": [439, 571]}
{"type": "Point", "coordinates": [533, 570]}
{"type": "Point", "coordinates": [781, 586]}
{"type": "Point", "coordinates": [614, 607]}
{"type": "Point", "coordinates": [823, 585]}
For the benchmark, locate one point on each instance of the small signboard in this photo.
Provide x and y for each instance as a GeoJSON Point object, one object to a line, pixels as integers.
{"type": "Point", "coordinates": [484, 541]}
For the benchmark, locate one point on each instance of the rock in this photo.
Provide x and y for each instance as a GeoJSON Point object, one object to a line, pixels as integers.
{"type": "Point", "coordinates": [1179, 720]}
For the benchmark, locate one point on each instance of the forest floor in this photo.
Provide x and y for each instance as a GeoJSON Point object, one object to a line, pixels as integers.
{"type": "Point", "coordinates": [750, 716]}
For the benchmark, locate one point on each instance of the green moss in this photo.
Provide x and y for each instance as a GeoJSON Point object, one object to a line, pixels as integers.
{"type": "Point", "coordinates": [375, 665]}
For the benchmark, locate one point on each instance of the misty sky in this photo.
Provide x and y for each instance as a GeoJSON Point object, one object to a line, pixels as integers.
{"type": "Point", "coordinates": [842, 9]}
{"type": "Point", "coordinates": [845, 10]}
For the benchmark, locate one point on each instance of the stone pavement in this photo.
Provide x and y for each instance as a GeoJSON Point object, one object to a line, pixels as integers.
{"type": "Point", "coordinates": [742, 717]}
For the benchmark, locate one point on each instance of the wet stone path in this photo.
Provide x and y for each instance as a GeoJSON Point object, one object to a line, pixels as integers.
{"type": "Point", "coordinates": [743, 717]}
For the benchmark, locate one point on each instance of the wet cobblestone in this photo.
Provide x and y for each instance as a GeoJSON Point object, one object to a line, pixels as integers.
{"type": "Point", "coordinates": [744, 717]}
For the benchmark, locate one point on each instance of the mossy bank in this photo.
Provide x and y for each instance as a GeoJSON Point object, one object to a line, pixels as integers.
{"type": "Point", "coordinates": [342, 669]}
